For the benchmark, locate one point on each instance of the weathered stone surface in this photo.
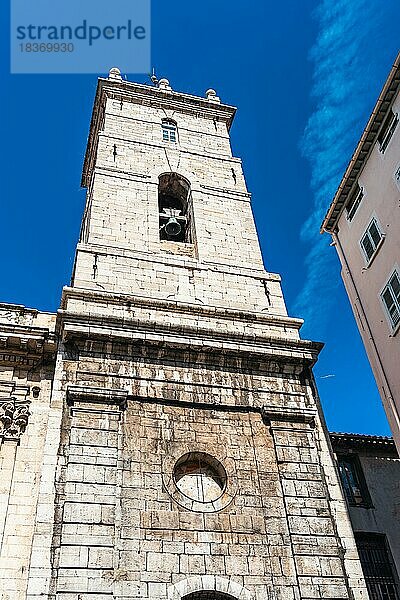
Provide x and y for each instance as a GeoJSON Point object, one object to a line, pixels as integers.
{"type": "Point", "coordinates": [171, 355]}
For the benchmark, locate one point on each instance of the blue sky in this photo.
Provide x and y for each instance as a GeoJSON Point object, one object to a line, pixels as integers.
{"type": "Point", "coordinates": [304, 75]}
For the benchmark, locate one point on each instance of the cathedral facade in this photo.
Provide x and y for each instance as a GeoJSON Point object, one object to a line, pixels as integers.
{"type": "Point", "coordinates": [162, 436]}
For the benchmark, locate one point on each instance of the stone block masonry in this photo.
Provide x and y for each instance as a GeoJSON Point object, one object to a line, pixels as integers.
{"type": "Point", "coordinates": [183, 454]}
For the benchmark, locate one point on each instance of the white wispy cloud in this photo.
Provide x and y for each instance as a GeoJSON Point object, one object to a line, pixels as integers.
{"type": "Point", "coordinates": [355, 47]}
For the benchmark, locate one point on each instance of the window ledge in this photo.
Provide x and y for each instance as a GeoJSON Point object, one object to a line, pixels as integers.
{"type": "Point", "coordinates": [182, 248]}
{"type": "Point", "coordinates": [371, 260]}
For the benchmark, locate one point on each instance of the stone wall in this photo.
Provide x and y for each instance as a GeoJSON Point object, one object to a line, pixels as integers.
{"type": "Point", "coordinates": [26, 371]}
{"type": "Point", "coordinates": [171, 354]}
{"type": "Point", "coordinates": [123, 530]}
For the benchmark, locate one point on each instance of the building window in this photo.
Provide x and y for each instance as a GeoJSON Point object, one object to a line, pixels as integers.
{"type": "Point", "coordinates": [371, 239]}
{"type": "Point", "coordinates": [353, 482]}
{"type": "Point", "coordinates": [391, 299]}
{"type": "Point", "coordinates": [169, 130]}
{"type": "Point", "coordinates": [175, 208]}
{"type": "Point", "coordinates": [387, 130]}
{"type": "Point", "coordinates": [377, 566]}
{"type": "Point", "coordinates": [200, 477]}
{"type": "Point", "coordinates": [397, 177]}
{"type": "Point", "coordinates": [354, 202]}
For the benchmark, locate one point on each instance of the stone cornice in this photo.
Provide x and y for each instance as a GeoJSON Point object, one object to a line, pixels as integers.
{"type": "Point", "coordinates": [277, 415]}
{"type": "Point", "coordinates": [149, 144]}
{"type": "Point", "coordinates": [26, 335]}
{"type": "Point", "coordinates": [147, 95]}
{"type": "Point", "coordinates": [26, 344]}
{"type": "Point", "coordinates": [176, 261]}
{"type": "Point", "coordinates": [80, 395]}
{"type": "Point", "coordinates": [178, 307]}
{"type": "Point", "coordinates": [73, 325]}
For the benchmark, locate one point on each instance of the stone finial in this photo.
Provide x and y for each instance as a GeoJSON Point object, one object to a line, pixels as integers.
{"type": "Point", "coordinates": [212, 96]}
{"type": "Point", "coordinates": [115, 73]}
{"type": "Point", "coordinates": [163, 84]}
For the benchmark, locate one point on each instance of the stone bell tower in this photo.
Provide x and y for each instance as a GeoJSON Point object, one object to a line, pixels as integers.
{"type": "Point", "coordinates": [193, 462]}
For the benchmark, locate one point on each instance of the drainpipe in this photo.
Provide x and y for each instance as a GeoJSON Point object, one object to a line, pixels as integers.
{"type": "Point", "coordinates": [369, 331]}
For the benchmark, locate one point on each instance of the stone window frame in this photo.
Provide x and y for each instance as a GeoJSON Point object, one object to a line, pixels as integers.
{"type": "Point", "coordinates": [204, 465]}
{"type": "Point", "coordinates": [230, 489]}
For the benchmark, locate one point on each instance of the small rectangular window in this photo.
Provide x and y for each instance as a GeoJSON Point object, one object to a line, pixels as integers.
{"type": "Point", "coordinates": [391, 299]}
{"type": "Point", "coordinates": [371, 239]}
{"type": "Point", "coordinates": [354, 485]}
{"type": "Point", "coordinates": [354, 202]}
{"type": "Point", "coordinates": [169, 130]}
{"type": "Point", "coordinates": [387, 130]}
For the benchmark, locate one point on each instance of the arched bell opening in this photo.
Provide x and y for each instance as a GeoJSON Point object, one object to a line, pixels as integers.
{"type": "Point", "coordinates": [175, 208]}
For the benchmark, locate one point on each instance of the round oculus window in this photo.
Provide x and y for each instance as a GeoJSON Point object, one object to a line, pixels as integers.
{"type": "Point", "coordinates": [200, 477]}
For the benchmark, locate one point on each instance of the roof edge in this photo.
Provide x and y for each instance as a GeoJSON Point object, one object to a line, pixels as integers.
{"type": "Point", "coordinates": [364, 147]}
{"type": "Point", "coordinates": [353, 439]}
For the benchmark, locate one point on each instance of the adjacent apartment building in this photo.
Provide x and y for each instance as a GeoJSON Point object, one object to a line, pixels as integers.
{"type": "Point", "coordinates": [369, 468]}
{"type": "Point", "coordinates": [364, 221]}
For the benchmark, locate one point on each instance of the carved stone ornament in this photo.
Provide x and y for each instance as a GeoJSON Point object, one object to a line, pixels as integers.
{"type": "Point", "coordinates": [13, 418]}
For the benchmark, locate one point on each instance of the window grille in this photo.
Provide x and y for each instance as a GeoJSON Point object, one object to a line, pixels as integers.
{"type": "Point", "coordinates": [169, 131]}
{"type": "Point", "coordinates": [370, 240]}
{"type": "Point", "coordinates": [387, 130]}
{"type": "Point", "coordinates": [377, 566]}
{"type": "Point", "coordinates": [354, 485]}
{"type": "Point", "coordinates": [391, 299]}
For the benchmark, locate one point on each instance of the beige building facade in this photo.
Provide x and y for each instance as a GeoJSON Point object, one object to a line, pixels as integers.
{"type": "Point", "coordinates": [176, 448]}
{"type": "Point", "coordinates": [364, 221]}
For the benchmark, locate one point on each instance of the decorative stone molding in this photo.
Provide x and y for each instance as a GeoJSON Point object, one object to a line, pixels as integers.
{"type": "Point", "coordinates": [14, 416]}
{"type": "Point", "coordinates": [26, 337]}
{"type": "Point", "coordinates": [79, 394]}
{"type": "Point", "coordinates": [283, 414]}
{"type": "Point", "coordinates": [211, 583]}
